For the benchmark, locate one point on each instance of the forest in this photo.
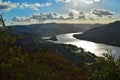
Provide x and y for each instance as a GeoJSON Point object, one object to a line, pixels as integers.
{"type": "Point", "coordinates": [24, 58]}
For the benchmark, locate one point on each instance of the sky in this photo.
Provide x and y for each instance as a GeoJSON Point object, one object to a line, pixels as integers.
{"type": "Point", "coordinates": [59, 11]}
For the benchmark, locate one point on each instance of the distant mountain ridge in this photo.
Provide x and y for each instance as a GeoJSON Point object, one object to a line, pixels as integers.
{"type": "Point", "coordinates": [107, 34]}
{"type": "Point", "coordinates": [50, 29]}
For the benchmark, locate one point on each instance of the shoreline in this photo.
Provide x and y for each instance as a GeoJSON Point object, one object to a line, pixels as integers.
{"type": "Point", "coordinates": [80, 37]}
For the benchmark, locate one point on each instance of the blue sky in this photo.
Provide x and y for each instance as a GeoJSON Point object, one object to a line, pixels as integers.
{"type": "Point", "coordinates": [61, 11]}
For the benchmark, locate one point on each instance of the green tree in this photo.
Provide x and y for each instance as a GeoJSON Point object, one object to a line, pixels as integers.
{"type": "Point", "coordinates": [17, 63]}
{"type": "Point", "coordinates": [105, 68]}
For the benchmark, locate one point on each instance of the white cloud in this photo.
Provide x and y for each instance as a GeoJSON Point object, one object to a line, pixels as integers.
{"type": "Point", "coordinates": [73, 14]}
{"type": "Point", "coordinates": [94, 14]}
{"type": "Point", "coordinates": [76, 14]}
{"type": "Point", "coordinates": [21, 19]}
{"type": "Point", "coordinates": [77, 1]}
{"type": "Point", "coordinates": [39, 17]}
{"type": "Point", "coordinates": [7, 5]}
{"type": "Point", "coordinates": [82, 15]}
{"type": "Point", "coordinates": [90, 1]}
{"type": "Point", "coordinates": [64, 1]}
{"type": "Point", "coordinates": [102, 12]}
{"type": "Point", "coordinates": [74, 11]}
{"type": "Point", "coordinates": [47, 16]}
{"type": "Point", "coordinates": [34, 6]}
{"type": "Point", "coordinates": [47, 4]}
{"type": "Point", "coordinates": [70, 15]}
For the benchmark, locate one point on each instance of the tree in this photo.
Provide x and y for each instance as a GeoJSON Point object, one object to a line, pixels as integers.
{"type": "Point", "coordinates": [2, 21]}
{"type": "Point", "coordinates": [105, 68]}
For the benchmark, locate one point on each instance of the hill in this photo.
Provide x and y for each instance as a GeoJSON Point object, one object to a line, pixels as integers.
{"type": "Point", "coordinates": [50, 29]}
{"type": "Point", "coordinates": [40, 65]}
{"type": "Point", "coordinates": [107, 34]}
{"type": "Point", "coordinates": [24, 60]}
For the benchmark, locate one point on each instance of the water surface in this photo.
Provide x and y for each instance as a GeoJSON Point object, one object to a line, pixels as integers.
{"type": "Point", "coordinates": [93, 47]}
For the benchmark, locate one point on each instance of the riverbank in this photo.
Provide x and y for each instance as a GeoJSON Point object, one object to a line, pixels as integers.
{"type": "Point", "coordinates": [89, 46]}
{"type": "Point", "coordinates": [82, 37]}
{"type": "Point", "coordinates": [106, 34]}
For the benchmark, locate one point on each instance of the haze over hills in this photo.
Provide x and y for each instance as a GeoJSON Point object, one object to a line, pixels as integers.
{"type": "Point", "coordinates": [107, 34]}
{"type": "Point", "coordinates": [50, 29]}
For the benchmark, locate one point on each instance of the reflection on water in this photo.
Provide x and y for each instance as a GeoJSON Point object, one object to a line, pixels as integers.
{"type": "Point", "coordinates": [96, 48]}
{"type": "Point", "coordinates": [89, 46]}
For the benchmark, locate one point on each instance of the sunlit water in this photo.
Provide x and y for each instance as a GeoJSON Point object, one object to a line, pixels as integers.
{"type": "Point", "coordinates": [93, 47]}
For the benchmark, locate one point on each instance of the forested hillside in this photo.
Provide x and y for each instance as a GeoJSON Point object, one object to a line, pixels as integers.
{"type": "Point", "coordinates": [50, 29]}
{"type": "Point", "coordinates": [29, 60]}
{"type": "Point", "coordinates": [18, 63]}
{"type": "Point", "coordinates": [107, 34]}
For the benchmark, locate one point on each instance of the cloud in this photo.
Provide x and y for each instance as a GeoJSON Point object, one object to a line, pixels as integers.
{"type": "Point", "coordinates": [21, 19]}
{"type": "Point", "coordinates": [7, 5]}
{"type": "Point", "coordinates": [76, 14]}
{"type": "Point", "coordinates": [34, 6]}
{"type": "Point", "coordinates": [82, 15]}
{"type": "Point", "coordinates": [64, 1]}
{"type": "Point", "coordinates": [90, 1]}
{"type": "Point", "coordinates": [39, 17]}
{"type": "Point", "coordinates": [92, 15]}
{"type": "Point", "coordinates": [102, 12]}
{"type": "Point", "coordinates": [70, 15]}
{"type": "Point", "coordinates": [78, 1]}
{"type": "Point", "coordinates": [74, 11]}
{"type": "Point", "coordinates": [47, 16]}
{"type": "Point", "coordinates": [73, 14]}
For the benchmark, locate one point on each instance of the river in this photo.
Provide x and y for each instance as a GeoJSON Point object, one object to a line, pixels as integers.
{"type": "Point", "coordinates": [96, 48]}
